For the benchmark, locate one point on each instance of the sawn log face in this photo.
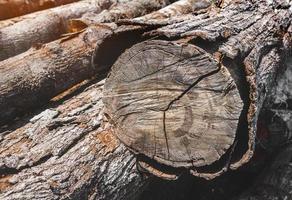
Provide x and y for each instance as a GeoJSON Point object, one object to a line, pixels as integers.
{"type": "Point", "coordinates": [173, 102]}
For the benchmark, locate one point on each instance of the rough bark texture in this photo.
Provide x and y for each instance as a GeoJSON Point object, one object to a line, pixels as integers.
{"type": "Point", "coordinates": [121, 10]}
{"type": "Point", "coordinates": [174, 10]}
{"type": "Point", "coordinates": [250, 38]}
{"type": "Point", "coordinates": [44, 26]}
{"type": "Point", "coordinates": [34, 77]}
{"type": "Point", "coordinates": [13, 8]}
{"type": "Point", "coordinates": [67, 152]}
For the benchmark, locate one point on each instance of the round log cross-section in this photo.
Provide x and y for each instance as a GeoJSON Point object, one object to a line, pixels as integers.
{"type": "Point", "coordinates": [173, 103]}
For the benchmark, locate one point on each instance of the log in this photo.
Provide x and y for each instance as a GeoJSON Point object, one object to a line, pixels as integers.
{"type": "Point", "coordinates": [242, 38]}
{"type": "Point", "coordinates": [34, 77]}
{"type": "Point", "coordinates": [13, 8]}
{"type": "Point", "coordinates": [67, 151]}
{"type": "Point", "coordinates": [70, 150]}
{"type": "Point", "coordinates": [42, 27]}
{"type": "Point", "coordinates": [49, 69]}
{"type": "Point", "coordinates": [55, 77]}
{"type": "Point", "coordinates": [163, 96]}
{"type": "Point", "coordinates": [123, 10]}
{"type": "Point", "coordinates": [175, 9]}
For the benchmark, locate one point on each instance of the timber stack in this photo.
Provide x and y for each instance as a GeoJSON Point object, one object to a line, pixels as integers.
{"type": "Point", "coordinates": [111, 99]}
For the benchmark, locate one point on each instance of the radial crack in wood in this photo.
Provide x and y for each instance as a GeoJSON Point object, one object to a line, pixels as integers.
{"type": "Point", "coordinates": [173, 102]}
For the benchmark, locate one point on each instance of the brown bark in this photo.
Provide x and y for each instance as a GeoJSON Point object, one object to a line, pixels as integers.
{"type": "Point", "coordinates": [120, 10]}
{"type": "Point", "coordinates": [251, 46]}
{"type": "Point", "coordinates": [67, 151]}
{"type": "Point", "coordinates": [42, 27]}
{"type": "Point", "coordinates": [34, 77]}
{"type": "Point", "coordinates": [49, 69]}
{"type": "Point", "coordinates": [14, 8]}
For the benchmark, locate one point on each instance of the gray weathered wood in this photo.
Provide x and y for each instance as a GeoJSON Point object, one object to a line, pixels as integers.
{"type": "Point", "coordinates": [253, 49]}
{"type": "Point", "coordinates": [67, 151]}
{"type": "Point", "coordinates": [173, 103]}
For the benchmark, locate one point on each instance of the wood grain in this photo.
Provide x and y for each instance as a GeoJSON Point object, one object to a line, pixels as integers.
{"type": "Point", "coordinates": [173, 103]}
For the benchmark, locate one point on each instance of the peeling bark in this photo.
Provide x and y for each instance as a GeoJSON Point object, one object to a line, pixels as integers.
{"type": "Point", "coordinates": [249, 39]}
{"type": "Point", "coordinates": [67, 151]}
{"type": "Point", "coordinates": [120, 10]}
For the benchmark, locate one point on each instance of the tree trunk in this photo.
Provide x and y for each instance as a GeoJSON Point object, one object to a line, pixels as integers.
{"type": "Point", "coordinates": [13, 8]}
{"type": "Point", "coordinates": [69, 148]}
{"type": "Point", "coordinates": [67, 151]}
{"type": "Point", "coordinates": [42, 27]}
{"type": "Point", "coordinates": [121, 10]}
{"type": "Point", "coordinates": [49, 69]}
{"type": "Point", "coordinates": [32, 78]}
{"type": "Point", "coordinates": [242, 37]}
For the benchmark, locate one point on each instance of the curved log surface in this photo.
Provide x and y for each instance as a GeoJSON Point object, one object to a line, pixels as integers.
{"type": "Point", "coordinates": [14, 8]}
{"type": "Point", "coordinates": [37, 75]}
{"type": "Point", "coordinates": [34, 77]}
{"type": "Point", "coordinates": [67, 152]}
{"type": "Point", "coordinates": [173, 103]}
{"type": "Point", "coordinates": [249, 39]}
{"type": "Point", "coordinates": [120, 10]}
{"type": "Point", "coordinates": [174, 10]}
{"type": "Point", "coordinates": [42, 27]}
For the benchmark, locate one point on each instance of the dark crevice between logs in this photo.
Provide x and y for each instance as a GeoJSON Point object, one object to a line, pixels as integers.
{"type": "Point", "coordinates": [161, 167]}
{"type": "Point", "coordinates": [112, 47]}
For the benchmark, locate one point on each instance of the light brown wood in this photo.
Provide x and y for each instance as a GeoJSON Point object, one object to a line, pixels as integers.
{"type": "Point", "coordinates": [42, 27]}
{"type": "Point", "coordinates": [118, 11]}
{"type": "Point", "coordinates": [13, 8]}
{"type": "Point", "coordinates": [34, 77]}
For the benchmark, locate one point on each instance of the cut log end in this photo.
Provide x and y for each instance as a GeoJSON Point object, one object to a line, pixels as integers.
{"type": "Point", "coordinates": [173, 103]}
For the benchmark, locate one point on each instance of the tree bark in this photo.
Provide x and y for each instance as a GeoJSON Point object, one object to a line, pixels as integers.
{"type": "Point", "coordinates": [42, 27]}
{"type": "Point", "coordinates": [245, 39]}
{"type": "Point", "coordinates": [13, 8]}
{"type": "Point", "coordinates": [49, 69]}
{"type": "Point", "coordinates": [47, 63]}
{"type": "Point", "coordinates": [67, 151]}
{"type": "Point", "coordinates": [120, 10]}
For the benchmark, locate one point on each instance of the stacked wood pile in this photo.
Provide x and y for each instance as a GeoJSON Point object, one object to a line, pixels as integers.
{"type": "Point", "coordinates": [105, 99]}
